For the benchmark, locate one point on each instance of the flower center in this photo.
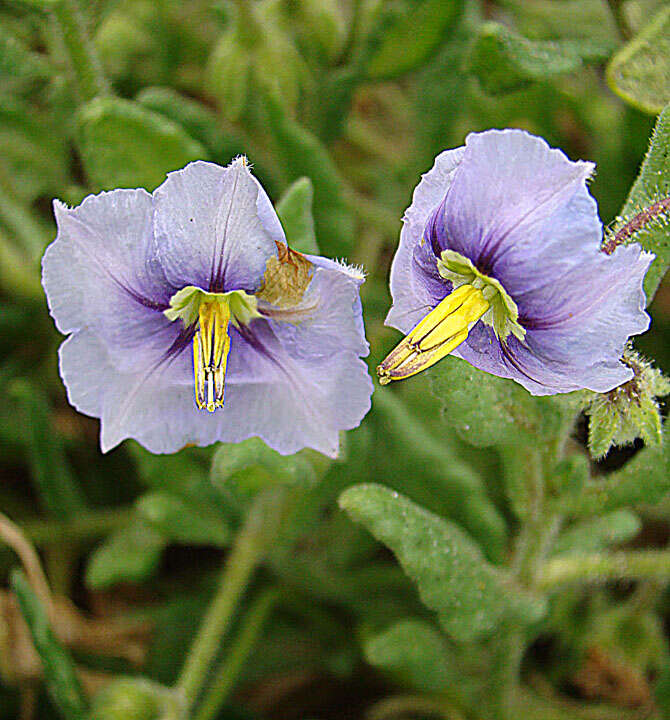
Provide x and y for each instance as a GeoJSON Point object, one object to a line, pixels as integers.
{"type": "Point", "coordinates": [211, 313]}
{"type": "Point", "coordinates": [440, 332]}
{"type": "Point", "coordinates": [475, 297]}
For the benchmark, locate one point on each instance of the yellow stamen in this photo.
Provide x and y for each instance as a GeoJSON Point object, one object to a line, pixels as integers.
{"type": "Point", "coordinates": [211, 344]}
{"type": "Point", "coordinates": [438, 334]}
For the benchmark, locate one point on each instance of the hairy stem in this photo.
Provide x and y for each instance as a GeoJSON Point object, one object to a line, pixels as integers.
{"type": "Point", "coordinates": [602, 567]}
{"type": "Point", "coordinates": [637, 223]}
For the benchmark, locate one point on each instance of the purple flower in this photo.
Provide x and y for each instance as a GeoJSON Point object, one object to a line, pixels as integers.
{"type": "Point", "coordinates": [500, 263]}
{"type": "Point", "coordinates": [182, 300]}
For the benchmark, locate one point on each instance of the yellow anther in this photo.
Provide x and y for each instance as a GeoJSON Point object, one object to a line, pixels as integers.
{"type": "Point", "coordinates": [434, 337]}
{"type": "Point", "coordinates": [211, 344]}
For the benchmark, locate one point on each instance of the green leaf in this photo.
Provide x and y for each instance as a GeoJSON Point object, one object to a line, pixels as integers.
{"type": "Point", "coordinates": [415, 653]}
{"type": "Point", "coordinates": [488, 410]}
{"type": "Point", "coordinates": [570, 474]}
{"type": "Point", "coordinates": [295, 212]}
{"type": "Point", "coordinates": [432, 473]}
{"type": "Point", "coordinates": [505, 61]}
{"type": "Point", "coordinates": [643, 480]}
{"type": "Point", "coordinates": [59, 673]}
{"type": "Point", "coordinates": [303, 154]}
{"type": "Point", "coordinates": [184, 521]}
{"type": "Point", "coordinates": [598, 533]}
{"type": "Point", "coordinates": [241, 470]}
{"type": "Point", "coordinates": [129, 555]}
{"type": "Point", "coordinates": [197, 119]}
{"type": "Point", "coordinates": [18, 63]}
{"type": "Point", "coordinates": [640, 71]}
{"type": "Point", "coordinates": [32, 151]}
{"type": "Point", "coordinates": [413, 37]}
{"type": "Point", "coordinates": [471, 596]}
{"type": "Point", "coordinates": [54, 480]}
{"type": "Point", "coordinates": [652, 184]}
{"type": "Point", "coordinates": [123, 144]}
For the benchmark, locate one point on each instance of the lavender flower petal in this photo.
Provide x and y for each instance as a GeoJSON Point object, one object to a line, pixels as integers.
{"type": "Point", "coordinates": [506, 186]}
{"type": "Point", "coordinates": [208, 230]}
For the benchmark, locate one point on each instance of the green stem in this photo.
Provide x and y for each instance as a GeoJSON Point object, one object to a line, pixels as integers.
{"type": "Point", "coordinates": [247, 551]}
{"type": "Point", "coordinates": [84, 61]}
{"type": "Point", "coordinates": [228, 671]}
{"type": "Point", "coordinates": [539, 527]}
{"type": "Point", "coordinates": [602, 567]}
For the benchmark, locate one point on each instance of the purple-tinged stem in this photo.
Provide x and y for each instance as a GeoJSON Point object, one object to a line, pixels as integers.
{"type": "Point", "coordinates": [637, 223]}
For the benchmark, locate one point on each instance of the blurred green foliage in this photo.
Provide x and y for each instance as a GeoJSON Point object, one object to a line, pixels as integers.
{"type": "Point", "coordinates": [479, 563]}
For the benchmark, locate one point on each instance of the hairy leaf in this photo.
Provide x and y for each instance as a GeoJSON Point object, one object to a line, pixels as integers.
{"type": "Point", "coordinates": [487, 410]}
{"type": "Point", "coordinates": [640, 71]}
{"type": "Point", "coordinates": [414, 652]}
{"type": "Point", "coordinates": [504, 61]}
{"type": "Point", "coordinates": [651, 186]}
{"type": "Point", "coordinates": [412, 36]}
{"type": "Point", "coordinates": [123, 144]}
{"type": "Point", "coordinates": [184, 520]}
{"type": "Point", "coordinates": [295, 212]}
{"type": "Point", "coordinates": [644, 479]}
{"type": "Point", "coordinates": [471, 596]}
{"type": "Point", "coordinates": [129, 555]}
{"type": "Point", "coordinates": [598, 533]}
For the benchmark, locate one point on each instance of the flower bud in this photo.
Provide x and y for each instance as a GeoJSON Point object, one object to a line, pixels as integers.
{"type": "Point", "coordinates": [629, 411]}
{"type": "Point", "coordinates": [135, 699]}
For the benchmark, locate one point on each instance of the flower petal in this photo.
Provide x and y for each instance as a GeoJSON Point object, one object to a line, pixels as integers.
{"type": "Point", "coordinates": [583, 348]}
{"type": "Point", "coordinates": [208, 229]}
{"type": "Point", "coordinates": [506, 186]}
{"type": "Point", "coordinates": [411, 288]}
{"type": "Point", "coordinates": [102, 256]}
{"type": "Point", "coordinates": [293, 385]}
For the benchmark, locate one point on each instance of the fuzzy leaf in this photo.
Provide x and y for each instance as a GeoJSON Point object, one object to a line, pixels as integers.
{"type": "Point", "coordinates": [303, 154]}
{"type": "Point", "coordinates": [640, 71]}
{"type": "Point", "coordinates": [295, 212]}
{"type": "Point", "coordinates": [652, 185]}
{"type": "Point", "coordinates": [414, 652]}
{"type": "Point", "coordinates": [412, 37]}
{"type": "Point", "coordinates": [241, 470]}
{"type": "Point", "coordinates": [433, 474]}
{"type": "Point", "coordinates": [644, 479]}
{"type": "Point", "coordinates": [59, 672]}
{"type": "Point", "coordinates": [129, 555]}
{"type": "Point", "coordinates": [123, 144]}
{"type": "Point", "coordinates": [182, 520]}
{"type": "Point", "coordinates": [18, 63]}
{"type": "Point", "coordinates": [487, 410]}
{"type": "Point", "coordinates": [471, 596]}
{"type": "Point", "coordinates": [201, 123]}
{"type": "Point", "coordinates": [597, 534]}
{"type": "Point", "coordinates": [32, 152]}
{"type": "Point", "coordinates": [504, 61]}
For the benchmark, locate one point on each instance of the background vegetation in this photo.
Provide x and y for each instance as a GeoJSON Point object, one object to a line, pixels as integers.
{"type": "Point", "coordinates": [511, 576]}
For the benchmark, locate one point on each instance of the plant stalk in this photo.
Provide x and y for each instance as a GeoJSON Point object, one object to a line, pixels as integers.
{"type": "Point", "coordinates": [248, 549]}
